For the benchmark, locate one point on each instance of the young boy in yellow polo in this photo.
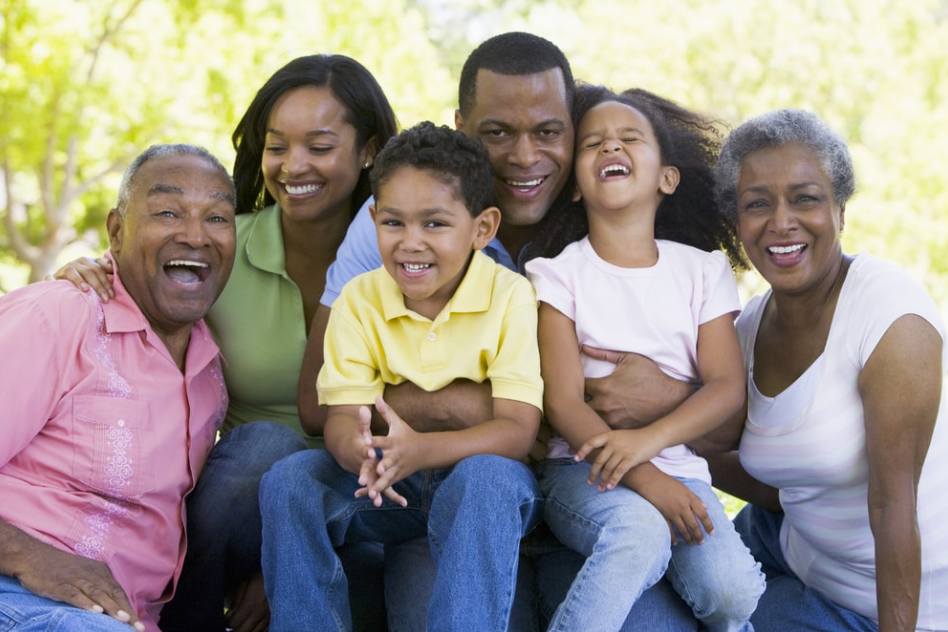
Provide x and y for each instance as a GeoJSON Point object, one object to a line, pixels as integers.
{"type": "Point", "coordinates": [438, 310]}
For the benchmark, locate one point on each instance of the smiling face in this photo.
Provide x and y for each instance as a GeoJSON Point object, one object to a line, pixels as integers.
{"type": "Point", "coordinates": [426, 236]}
{"type": "Point", "coordinates": [310, 163]}
{"type": "Point", "coordinates": [174, 244]}
{"type": "Point", "coordinates": [524, 122]}
{"type": "Point", "coordinates": [618, 160]}
{"type": "Point", "coordinates": [789, 220]}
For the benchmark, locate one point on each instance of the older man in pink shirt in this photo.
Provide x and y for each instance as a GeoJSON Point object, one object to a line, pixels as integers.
{"type": "Point", "coordinates": [108, 411]}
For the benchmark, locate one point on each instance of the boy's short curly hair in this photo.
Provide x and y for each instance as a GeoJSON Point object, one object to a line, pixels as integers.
{"type": "Point", "coordinates": [447, 155]}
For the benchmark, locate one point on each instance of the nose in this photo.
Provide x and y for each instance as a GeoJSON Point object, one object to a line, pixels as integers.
{"type": "Point", "coordinates": [412, 240]}
{"type": "Point", "coordinates": [193, 231]}
{"type": "Point", "coordinates": [783, 218]}
{"type": "Point", "coordinates": [609, 145]}
{"type": "Point", "coordinates": [295, 160]}
{"type": "Point", "coordinates": [524, 152]}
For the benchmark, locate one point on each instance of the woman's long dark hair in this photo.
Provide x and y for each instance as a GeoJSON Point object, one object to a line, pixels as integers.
{"type": "Point", "coordinates": [367, 110]}
{"type": "Point", "coordinates": [690, 215]}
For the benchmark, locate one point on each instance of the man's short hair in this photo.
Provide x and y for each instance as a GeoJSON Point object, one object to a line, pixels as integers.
{"type": "Point", "coordinates": [512, 54]}
{"type": "Point", "coordinates": [160, 151]}
{"type": "Point", "coordinates": [447, 155]}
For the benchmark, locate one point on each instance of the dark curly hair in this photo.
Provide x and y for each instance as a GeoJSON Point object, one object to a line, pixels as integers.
{"type": "Point", "coordinates": [687, 141]}
{"type": "Point", "coordinates": [447, 155]}
{"type": "Point", "coordinates": [367, 110]}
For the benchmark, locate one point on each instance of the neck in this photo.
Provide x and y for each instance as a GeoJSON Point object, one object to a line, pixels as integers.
{"type": "Point", "coordinates": [314, 240]}
{"type": "Point", "coordinates": [177, 344]}
{"type": "Point", "coordinates": [624, 240]}
{"type": "Point", "coordinates": [514, 238]}
{"type": "Point", "coordinates": [806, 310]}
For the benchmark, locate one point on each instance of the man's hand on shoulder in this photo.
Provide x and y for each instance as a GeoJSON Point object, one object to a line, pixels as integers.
{"type": "Point", "coordinates": [636, 393]}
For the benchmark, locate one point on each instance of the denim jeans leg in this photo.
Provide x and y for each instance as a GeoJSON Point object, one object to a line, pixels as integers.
{"type": "Point", "coordinates": [788, 603]}
{"type": "Point", "coordinates": [718, 578]}
{"type": "Point", "coordinates": [624, 538]}
{"type": "Point", "coordinates": [224, 524]}
{"type": "Point", "coordinates": [480, 511]}
{"type": "Point", "coordinates": [409, 580]}
{"type": "Point", "coordinates": [364, 566]}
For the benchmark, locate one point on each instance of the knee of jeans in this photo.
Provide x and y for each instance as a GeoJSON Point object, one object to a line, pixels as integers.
{"type": "Point", "coordinates": [734, 603]}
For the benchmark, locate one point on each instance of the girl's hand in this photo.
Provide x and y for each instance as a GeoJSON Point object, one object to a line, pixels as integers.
{"type": "Point", "coordinates": [619, 452]}
{"type": "Point", "coordinates": [85, 272]}
{"type": "Point", "coordinates": [681, 507]}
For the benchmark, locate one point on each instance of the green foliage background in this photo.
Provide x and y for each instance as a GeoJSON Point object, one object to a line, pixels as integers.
{"type": "Point", "coordinates": [86, 84]}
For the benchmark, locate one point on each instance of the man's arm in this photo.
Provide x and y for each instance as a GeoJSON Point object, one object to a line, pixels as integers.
{"type": "Point", "coordinates": [76, 580]}
{"type": "Point", "coordinates": [636, 393]}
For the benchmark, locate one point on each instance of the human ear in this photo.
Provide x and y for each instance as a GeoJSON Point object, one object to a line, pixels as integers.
{"type": "Point", "coordinates": [369, 151]}
{"type": "Point", "coordinates": [114, 224]}
{"type": "Point", "coordinates": [486, 225]}
{"type": "Point", "coordinates": [372, 212]}
{"type": "Point", "coordinates": [842, 217]}
{"type": "Point", "coordinates": [577, 194]}
{"type": "Point", "coordinates": [458, 121]}
{"type": "Point", "coordinates": [670, 179]}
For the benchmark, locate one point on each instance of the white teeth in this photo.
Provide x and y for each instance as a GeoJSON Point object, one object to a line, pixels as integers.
{"type": "Point", "coordinates": [416, 267]}
{"type": "Point", "coordinates": [783, 250]}
{"type": "Point", "coordinates": [306, 188]}
{"type": "Point", "coordinates": [191, 264]}
{"type": "Point", "coordinates": [525, 185]}
{"type": "Point", "coordinates": [613, 169]}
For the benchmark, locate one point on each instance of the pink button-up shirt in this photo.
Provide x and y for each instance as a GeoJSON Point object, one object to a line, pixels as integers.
{"type": "Point", "coordinates": [101, 435]}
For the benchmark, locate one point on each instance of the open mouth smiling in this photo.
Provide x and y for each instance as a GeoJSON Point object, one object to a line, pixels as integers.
{"type": "Point", "coordinates": [302, 189]}
{"type": "Point", "coordinates": [614, 170]}
{"type": "Point", "coordinates": [187, 272]}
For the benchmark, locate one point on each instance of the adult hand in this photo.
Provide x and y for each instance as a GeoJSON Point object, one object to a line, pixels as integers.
{"type": "Point", "coordinates": [76, 580]}
{"type": "Point", "coordinates": [250, 611]}
{"type": "Point", "coordinates": [636, 393]}
{"type": "Point", "coordinates": [86, 272]}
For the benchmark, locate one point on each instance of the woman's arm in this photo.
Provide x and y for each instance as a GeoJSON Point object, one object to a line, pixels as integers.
{"type": "Point", "coordinates": [900, 387]}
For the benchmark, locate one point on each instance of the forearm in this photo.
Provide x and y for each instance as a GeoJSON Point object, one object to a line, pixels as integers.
{"type": "Point", "coordinates": [509, 438]}
{"type": "Point", "coordinates": [898, 567]}
{"type": "Point", "coordinates": [728, 475]}
{"type": "Point", "coordinates": [342, 440]}
{"type": "Point", "coordinates": [701, 415]}
{"type": "Point", "coordinates": [573, 420]}
{"type": "Point", "coordinates": [460, 405]}
{"type": "Point", "coordinates": [312, 415]}
{"type": "Point", "coordinates": [17, 548]}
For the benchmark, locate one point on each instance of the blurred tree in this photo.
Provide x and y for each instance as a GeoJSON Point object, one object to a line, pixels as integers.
{"type": "Point", "coordinates": [87, 84]}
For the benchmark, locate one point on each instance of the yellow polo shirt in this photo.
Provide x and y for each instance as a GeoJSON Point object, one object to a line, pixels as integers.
{"type": "Point", "coordinates": [487, 331]}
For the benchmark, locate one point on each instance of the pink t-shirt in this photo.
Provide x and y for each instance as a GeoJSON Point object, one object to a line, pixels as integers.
{"type": "Point", "coordinates": [102, 434]}
{"type": "Point", "coordinates": [654, 311]}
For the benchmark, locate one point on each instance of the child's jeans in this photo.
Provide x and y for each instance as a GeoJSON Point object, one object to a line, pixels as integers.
{"type": "Point", "coordinates": [628, 548]}
{"type": "Point", "coordinates": [474, 515]}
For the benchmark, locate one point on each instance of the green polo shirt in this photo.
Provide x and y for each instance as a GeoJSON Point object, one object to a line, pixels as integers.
{"type": "Point", "coordinates": [260, 327]}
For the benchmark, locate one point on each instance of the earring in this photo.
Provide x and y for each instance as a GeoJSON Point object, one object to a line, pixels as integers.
{"type": "Point", "coordinates": [366, 165]}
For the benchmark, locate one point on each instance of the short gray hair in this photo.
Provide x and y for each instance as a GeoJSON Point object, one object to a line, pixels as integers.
{"type": "Point", "coordinates": [161, 151]}
{"type": "Point", "coordinates": [774, 129]}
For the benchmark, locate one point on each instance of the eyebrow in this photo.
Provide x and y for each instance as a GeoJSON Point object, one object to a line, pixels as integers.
{"type": "Point", "coordinates": [793, 187]}
{"type": "Point", "coordinates": [550, 122]}
{"type": "Point", "coordinates": [165, 189]}
{"type": "Point", "coordinates": [310, 134]}
{"type": "Point", "coordinates": [621, 130]}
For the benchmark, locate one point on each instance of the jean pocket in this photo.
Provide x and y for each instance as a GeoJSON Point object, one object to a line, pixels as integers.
{"type": "Point", "coordinates": [111, 439]}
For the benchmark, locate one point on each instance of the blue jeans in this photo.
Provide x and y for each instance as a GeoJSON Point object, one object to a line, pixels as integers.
{"type": "Point", "coordinates": [787, 603]}
{"type": "Point", "coordinates": [658, 609]}
{"type": "Point", "coordinates": [24, 611]}
{"type": "Point", "coordinates": [474, 515]}
{"type": "Point", "coordinates": [627, 546]}
{"type": "Point", "coordinates": [225, 534]}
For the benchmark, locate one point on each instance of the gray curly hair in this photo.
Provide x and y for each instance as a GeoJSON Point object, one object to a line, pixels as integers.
{"type": "Point", "coordinates": [777, 128]}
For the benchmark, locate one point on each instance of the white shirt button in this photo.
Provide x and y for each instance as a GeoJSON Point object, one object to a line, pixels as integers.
{"type": "Point", "coordinates": [121, 422]}
{"type": "Point", "coordinates": [432, 337]}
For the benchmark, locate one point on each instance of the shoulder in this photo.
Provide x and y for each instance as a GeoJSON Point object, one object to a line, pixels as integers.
{"type": "Point", "coordinates": [53, 306]}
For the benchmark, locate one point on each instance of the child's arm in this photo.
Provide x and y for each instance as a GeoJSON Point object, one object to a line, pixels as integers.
{"type": "Point", "coordinates": [570, 415]}
{"type": "Point", "coordinates": [719, 398]}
